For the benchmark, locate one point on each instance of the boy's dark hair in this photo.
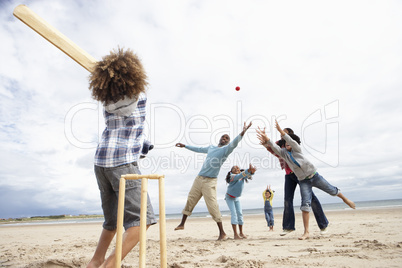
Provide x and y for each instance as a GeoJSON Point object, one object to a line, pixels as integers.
{"type": "Point", "coordinates": [281, 143]}
{"type": "Point", "coordinates": [295, 138]}
{"type": "Point", "coordinates": [118, 75]}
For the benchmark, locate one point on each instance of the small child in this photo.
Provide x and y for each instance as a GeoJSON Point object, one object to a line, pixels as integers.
{"type": "Point", "coordinates": [236, 178]}
{"type": "Point", "coordinates": [268, 195]}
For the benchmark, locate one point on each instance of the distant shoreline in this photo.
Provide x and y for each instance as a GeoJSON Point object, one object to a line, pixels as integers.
{"type": "Point", "coordinates": [49, 218]}
{"type": "Point", "coordinates": [95, 218]}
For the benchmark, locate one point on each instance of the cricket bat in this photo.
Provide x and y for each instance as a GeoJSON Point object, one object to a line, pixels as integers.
{"type": "Point", "coordinates": [51, 34]}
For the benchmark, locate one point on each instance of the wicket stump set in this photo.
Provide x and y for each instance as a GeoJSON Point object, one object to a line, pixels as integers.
{"type": "Point", "coordinates": [143, 217]}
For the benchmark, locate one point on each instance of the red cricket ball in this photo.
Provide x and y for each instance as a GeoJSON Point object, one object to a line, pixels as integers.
{"type": "Point", "coordinates": [237, 88]}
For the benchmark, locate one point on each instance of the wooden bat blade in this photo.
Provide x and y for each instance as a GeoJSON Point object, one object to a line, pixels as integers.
{"type": "Point", "coordinates": [51, 34]}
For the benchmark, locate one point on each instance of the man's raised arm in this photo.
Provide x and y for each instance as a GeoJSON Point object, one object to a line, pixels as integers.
{"type": "Point", "coordinates": [233, 144]}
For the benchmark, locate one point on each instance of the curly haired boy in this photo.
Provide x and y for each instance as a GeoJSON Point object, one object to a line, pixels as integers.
{"type": "Point", "coordinates": [119, 82]}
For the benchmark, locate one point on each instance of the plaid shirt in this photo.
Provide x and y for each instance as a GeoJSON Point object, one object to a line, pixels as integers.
{"type": "Point", "coordinates": [121, 139]}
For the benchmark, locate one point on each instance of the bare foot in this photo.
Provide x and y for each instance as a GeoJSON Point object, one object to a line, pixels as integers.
{"type": "Point", "coordinates": [108, 263]}
{"type": "Point", "coordinates": [237, 237]}
{"type": "Point", "coordinates": [350, 203]}
{"type": "Point", "coordinates": [222, 237]}
{"type": "Point", "coordinates": [180, 227]}
{"type": "Point", "coordinates": [243, 236]}
{"type": "Point", "coordinates": [304, 236]}
{"type": "Point", "coordinates": [94, 264]}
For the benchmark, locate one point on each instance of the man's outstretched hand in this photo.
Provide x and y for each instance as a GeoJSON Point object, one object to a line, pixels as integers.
{"type": "Point", "coordinates": [181, 145]}
{"type": "Point", "coordinates": [245, 128]}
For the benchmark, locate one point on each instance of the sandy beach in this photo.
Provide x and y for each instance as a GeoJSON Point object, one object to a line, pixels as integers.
{"type": "Point", "coordinates": [356, 238]}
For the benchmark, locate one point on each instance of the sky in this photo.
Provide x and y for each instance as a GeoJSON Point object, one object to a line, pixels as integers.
{"type": "Point", "coordinates": [330, 70]}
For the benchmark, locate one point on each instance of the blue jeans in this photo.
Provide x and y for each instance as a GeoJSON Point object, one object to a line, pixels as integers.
{"type": "Point", "coordinates": [236, 212]}
{"type": "Point", "coordinates": [288, 222]}
{"type": "Point", "coordinates": [306, 190]}
{"type": "Point", "coordinates": [269, 216]}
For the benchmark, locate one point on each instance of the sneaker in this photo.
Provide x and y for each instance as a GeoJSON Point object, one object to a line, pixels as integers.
{"type": "Point", "coordinates": [285, 232]}
{"type": "Point", "coordinates": [324, 230]}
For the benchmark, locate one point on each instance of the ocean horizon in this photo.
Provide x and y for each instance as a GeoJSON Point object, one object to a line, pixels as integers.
{"type": "Point", "coordinates": [254, 211]}
{"type": "Point", "coordinates": [278, 210]}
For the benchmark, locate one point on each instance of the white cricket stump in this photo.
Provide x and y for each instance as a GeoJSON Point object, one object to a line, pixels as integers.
{"type": "Point", "coordinates": [143, 217]}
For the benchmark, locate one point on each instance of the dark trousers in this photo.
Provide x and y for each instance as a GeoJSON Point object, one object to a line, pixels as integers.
{"type": "Point", "coordinates": [288, 222]}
